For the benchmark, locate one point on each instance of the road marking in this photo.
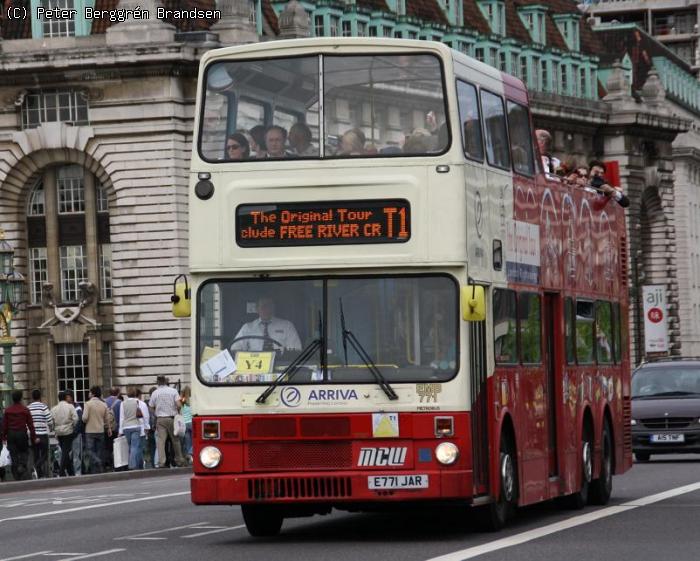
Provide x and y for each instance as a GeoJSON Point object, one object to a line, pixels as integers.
{"type": "Point", "coordinates": [510, 541]}
{"type": "Point", "coordinates": [88, 507]}
{"type": "Point", "coordinates": [214, 531]}
{"type": "Point", "coordinates": [25, 556]}
{"type": "Point", "coordinates": [145, 535]}
{"type": "Point", "coordinates": [90, 555]}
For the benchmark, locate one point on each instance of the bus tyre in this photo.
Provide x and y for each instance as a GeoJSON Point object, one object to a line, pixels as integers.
{"type": "Point", "coordinates": [601, 488]}
{"type": "Point", "coordinates": [642, 456]}
{"type": "Point", "coordinates": [578, 500]}
{"type": "Point", "coordinates": [495, 516]}
{"type": "Point", "coordinates": [262, 521]}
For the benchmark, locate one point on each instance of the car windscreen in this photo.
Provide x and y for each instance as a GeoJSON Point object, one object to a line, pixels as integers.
{"type": "Point", "coordinates": [666, 381]}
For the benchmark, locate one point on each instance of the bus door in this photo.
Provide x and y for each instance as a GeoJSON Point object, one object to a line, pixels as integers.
{"type": "Point", "coordinates": [551, 312]}
{"type": "Point", "coordinates": [480, 436]}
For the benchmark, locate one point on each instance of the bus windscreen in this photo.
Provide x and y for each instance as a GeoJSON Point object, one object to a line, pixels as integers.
{"type": "Point", "coordinates": [323, 106]}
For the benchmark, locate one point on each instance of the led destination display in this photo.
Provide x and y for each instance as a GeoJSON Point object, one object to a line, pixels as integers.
{"type": "Point", "coordinates": [322, 223]}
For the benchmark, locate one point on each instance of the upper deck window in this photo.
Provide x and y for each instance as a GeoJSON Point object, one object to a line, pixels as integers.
{"type": "Point", "coordinates": [372, 106]}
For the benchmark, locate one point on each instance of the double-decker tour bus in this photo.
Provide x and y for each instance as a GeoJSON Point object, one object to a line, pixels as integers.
{"type": "Point", "coordinates": [391, 302]}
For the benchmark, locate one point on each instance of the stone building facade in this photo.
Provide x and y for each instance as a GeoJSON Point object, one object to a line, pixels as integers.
{"type": "Point", "coordinates": [96, 132]}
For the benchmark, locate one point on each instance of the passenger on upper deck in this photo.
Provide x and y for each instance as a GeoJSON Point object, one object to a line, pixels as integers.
{"type": "Point", "coordinates": [237, 147]}
{"type": "Point", "coordinates": [544, 142]}
{"type": "Point", "coordinates": [352, 143]}
{"type": "Point", "coordinates": [257, 146]}
{"type": "Point", "coordinates": [597, 181]}
{"type": "Point", "coordinates": [267, 332]}
{"type": "Point", "coordinates": [300, 140]}
{"type": "Point", "coordinates": [275, 139]}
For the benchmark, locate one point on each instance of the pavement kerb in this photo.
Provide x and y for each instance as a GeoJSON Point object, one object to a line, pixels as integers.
{"type": "Point", "coordinates": [76, 480]}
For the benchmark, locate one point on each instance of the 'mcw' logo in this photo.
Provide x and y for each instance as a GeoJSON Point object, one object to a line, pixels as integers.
{"type": "Point", "coordinates": [382, 456]}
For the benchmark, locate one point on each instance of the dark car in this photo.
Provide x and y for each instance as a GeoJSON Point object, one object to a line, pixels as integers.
{"type": "Point", "coordinates": [666, 408]}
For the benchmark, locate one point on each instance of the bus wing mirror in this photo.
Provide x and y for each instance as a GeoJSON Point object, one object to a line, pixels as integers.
{"type": "Point", "coordinates": [473, 303]}
{"type": "Point", "coordinates": [181, 298]}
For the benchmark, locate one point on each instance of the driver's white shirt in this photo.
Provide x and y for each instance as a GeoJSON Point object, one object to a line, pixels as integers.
{"type": "Point", "coordinates": [281, 330]}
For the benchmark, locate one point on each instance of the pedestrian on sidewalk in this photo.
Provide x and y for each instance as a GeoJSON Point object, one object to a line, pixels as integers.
{"type": "Point", "coordinates": [130, 427]}
{"type": "Point", "coordinates": [43, 425]}
{"type": "Point", "coordinates": [186, 410]}
{"type": "Point", "coordinates": [16, 422]}
{"type": "Point", "coordinates": [165, 401]}
{"type": "Point", "coordinates": [65, 420]}
{"type": "Point", "coordinates": [145, 424]}
{"type": "Point", "coordinates": [78, 436]}
{"type": "Point", "coordinates": [114, 403]}
{"type": "Point", "coordinates": [96, 419]}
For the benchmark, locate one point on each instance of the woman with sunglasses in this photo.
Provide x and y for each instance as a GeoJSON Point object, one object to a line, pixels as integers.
{"type": "Point", "coordinates": [237, 147]}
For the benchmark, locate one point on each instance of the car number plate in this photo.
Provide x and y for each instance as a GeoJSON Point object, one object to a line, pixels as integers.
{"type": "Point", "coordinates": [667, 438]}
{"type": "Point", "coordinates": [398, 481]}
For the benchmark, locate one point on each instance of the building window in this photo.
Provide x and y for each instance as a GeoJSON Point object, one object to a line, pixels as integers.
{"type": "Point", "coordinates": [71, 192]}
{"type": "Point", "coordinates": [73, 271]}
{"type": "Point", "coordinates": [373, 31]}
{"type": "Point", "coordinates": [523, 69]}
{"type": "Point", "coordinates": [105, 271]}
{"type": "Point", "coordinates": [582, 82]}
{"type": "Point", "coordinates": [107, 364]}
{"type": "Point", "coordinates": [564, 80]}
{"type": "Point", "coordinates": [318, 26]}
{"type": "Point", "coordinates": [347, 29]}
{"type": "Point", "coordinates": [335, 26]}
{"type": "Point", "coordinates": [361, 29]}
{"type": "Point", "coordinates": [102, 201]}
{"type": "Point", "coordinates": [72, 369]}
{"type": "Point", "coordinates": [479, 54]}
{"type": "Point", "coordinates": [38, 272]}
{"type": "Point", "coordinates": [555, 77]}
{"type": "Point", "coordinates": [544, 75]}
{"type": "Point", "coordinates": [36, 201]}
{"type": "Point", "coordinates": [514, 64]}
{"type": "Point", "coordinates": [66, 106]}
{"type": "Point", "coordinates": [502, 64]}
{"type": "Point", "coordinates": [55, 27]}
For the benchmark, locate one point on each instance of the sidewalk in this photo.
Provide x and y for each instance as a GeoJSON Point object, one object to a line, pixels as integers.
{"type": "Point", "coordinates": [75, 480]}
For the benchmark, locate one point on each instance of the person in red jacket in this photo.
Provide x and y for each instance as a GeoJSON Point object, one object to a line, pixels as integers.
{"type": "Point", "coordinates": [15, 423]}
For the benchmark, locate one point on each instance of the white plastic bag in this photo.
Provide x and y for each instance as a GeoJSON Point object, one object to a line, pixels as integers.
{"type": "Point", "coordinates": [120, 450]}
{"type": "Point", "coordinates": [5, 457]}
{"type": "Point", "coordinates": [179, 427]}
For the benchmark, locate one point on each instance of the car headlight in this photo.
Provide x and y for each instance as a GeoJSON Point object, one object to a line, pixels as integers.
{"type": "Point", "coordinates": [447, 453]}
{"type": "Point", "coordinates": [633, 422]}
{"type": "Point", "coordinates": [210, 456]}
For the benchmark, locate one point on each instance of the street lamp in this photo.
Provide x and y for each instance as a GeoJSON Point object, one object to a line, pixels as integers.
{"type": "Point", "coordinates": [11, 296]}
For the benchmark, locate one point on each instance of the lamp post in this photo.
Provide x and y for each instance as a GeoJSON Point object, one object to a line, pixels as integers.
{"type": "Point", "coordinates": [11, 296]}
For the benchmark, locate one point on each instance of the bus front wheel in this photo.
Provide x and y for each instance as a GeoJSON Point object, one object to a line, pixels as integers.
{"type": "Point", "coordinates": [495, 516]}
{"type": "Point", "coordinates": [262, 521]}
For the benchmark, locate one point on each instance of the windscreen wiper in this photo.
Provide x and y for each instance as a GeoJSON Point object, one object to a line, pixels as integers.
{"type": "Point", "coordinates": [362, 353]}
{"type": "Point", "coordinates": [306, 353]}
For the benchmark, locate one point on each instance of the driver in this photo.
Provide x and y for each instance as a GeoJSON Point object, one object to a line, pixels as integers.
{"type": "Point", "coordinates": [267, 332]}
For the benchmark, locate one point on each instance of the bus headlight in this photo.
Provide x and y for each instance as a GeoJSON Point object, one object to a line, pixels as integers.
{"type": "Point", "coordinates": [210, 456]}
{"type": "Point", "coordinates": [446, 453]}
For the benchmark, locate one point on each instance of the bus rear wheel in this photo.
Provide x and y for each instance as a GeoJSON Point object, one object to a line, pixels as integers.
{"type": "Point", "coordinates": [495, 516]}
{"type": "Point", "coordinates": [601, 488]}
{"type": "Point", "coordinates": [262, 521]}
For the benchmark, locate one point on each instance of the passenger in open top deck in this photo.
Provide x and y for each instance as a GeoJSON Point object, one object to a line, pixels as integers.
{"type": "Point", "coordinates": [418, 142]}
{"type": "Point", "coordinates": [258, 149]}
{"type": "Point", "coordinates": [237, 147]}
{"type": "Point", "coordinates": [597, 181]}
{"type": "Point", "coordinates": [544, 143]}
{"type": "Point", "coordinates": [300, 140]}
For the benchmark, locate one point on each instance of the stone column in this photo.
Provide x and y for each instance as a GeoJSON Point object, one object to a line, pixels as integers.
{"type": "Point", "coordinates": [236, 25]}
{"type": "Point", "coordinates": [142, 25]}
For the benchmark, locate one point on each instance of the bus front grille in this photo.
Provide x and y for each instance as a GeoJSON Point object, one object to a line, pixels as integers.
{"type": "Point", "coordinates": [263, 456]}
{"type": "Point", "coordinates": [299, 488]}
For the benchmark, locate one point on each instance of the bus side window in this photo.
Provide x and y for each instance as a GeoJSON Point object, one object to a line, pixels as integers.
{"type": "Point", "coordinates": [497, 150]}
{"type": "Point", "coordinates": [603, 332]}
{"type": "Point", "coordinates": [505, 326]}
{"type": "Point", "coordinates": [520, 138]}
{"type": "Point", "coordinates": [469, 116]}
{"type": "Point", "coordinates": [584, 332]}
{"type": "Point", "coordinates": [530, 325]}
{"type": "Point", "coordinates": [617, 331]}
{"type": "Point", "coordinates": [569, 327]}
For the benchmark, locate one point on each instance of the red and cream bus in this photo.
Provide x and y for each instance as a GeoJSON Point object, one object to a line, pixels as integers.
{"type": "Point", "coordinates": [390, 301]}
